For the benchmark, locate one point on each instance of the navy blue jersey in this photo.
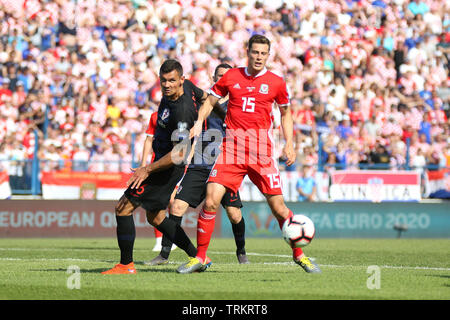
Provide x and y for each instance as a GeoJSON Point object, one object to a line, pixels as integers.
{"type": "Point", "coordinates": [213, 132]}
{"type": "Point", "coordinates": [175, 119]}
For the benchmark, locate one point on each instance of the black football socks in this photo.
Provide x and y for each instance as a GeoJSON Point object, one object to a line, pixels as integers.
{"type": "Point", "coordinates": [126, 234]}
{"type": "Point", "coordinates": [166, 243]}
{"type": "Point", "coordinates": [175, 233]}
{"type": "Point", "coordinates": [239, 236]}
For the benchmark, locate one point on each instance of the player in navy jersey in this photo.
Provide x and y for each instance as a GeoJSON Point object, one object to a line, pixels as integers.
{"type": "Point", "coordinates": [148, 150]}
{"type": "Point", "coordinates": [151, 186]}
{"type": "Point", "coordinates": [192, 190]}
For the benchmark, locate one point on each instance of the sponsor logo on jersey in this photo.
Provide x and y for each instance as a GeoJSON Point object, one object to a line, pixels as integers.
{"type": "Point", "coordinates": [250, 89]}
{"type": "Point", "coordinates": [237, 86]}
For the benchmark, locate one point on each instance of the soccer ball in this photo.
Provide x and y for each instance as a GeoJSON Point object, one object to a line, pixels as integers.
{"type": "Point", "coordinates": [298, 231]}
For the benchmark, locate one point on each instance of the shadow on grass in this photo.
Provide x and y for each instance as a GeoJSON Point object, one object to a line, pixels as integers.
{"type": "Point", "coordinates": [99, 270]}
{"type": "Point", "coordinates": [444, 276]}
{"type": "Point", "coordinates": [87, 248]}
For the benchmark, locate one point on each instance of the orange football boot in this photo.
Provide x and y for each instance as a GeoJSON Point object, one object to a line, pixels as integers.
{"type": "Point", "coordinates": [122, 269]}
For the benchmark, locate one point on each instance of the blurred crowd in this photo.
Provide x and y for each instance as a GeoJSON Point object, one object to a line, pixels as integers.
{"type": "Point", "coordinates": [368, 79]}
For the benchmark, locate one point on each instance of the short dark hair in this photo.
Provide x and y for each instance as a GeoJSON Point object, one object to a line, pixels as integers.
{"type": "Point", "coordinates": [258, 38]}
{"type": "Point", "coordinates": [170, 65]}
{"type": "Point", "coordinates": [222, 65]}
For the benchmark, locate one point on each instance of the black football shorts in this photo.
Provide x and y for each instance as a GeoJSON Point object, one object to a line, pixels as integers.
{"type": "Point", "coordinates": [155, 191]}
{"type": "Point", "coordinates": [192, 189]}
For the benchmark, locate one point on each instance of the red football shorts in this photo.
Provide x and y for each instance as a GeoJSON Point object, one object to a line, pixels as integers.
{"type": "Point", "coordinates": [265, 177]}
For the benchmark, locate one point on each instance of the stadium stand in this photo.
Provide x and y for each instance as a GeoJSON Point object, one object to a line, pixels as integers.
{"type": "Point", "coordinates": [369, 78]}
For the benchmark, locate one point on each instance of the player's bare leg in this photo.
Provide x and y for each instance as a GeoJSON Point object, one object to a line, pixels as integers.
{"type": "Point", "coordinates": [234, 214]}
{"type": "Point", "coordinates": [282, 213]}
{"type": "Point", "coordinates": [214, 194]}
{"type": "Point", "coordinates": [205, 227]}
{"type": "Point", "coordinates": [179, 207]}
{"type": "Point", "coordinates": [238, 225]}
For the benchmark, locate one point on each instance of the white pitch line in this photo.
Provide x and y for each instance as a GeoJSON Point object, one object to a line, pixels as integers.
{"type": "Point", "coordinates": [49, 259]}
{"type": "Point", "coordinates": [357, 267]}
{"type": "Point", "coordinates": [254, 254]}
{"type": "Point", "coordinates": [226, 253]}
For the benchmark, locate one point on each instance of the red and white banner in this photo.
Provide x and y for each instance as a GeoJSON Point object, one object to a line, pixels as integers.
{"type": "Point", "coordinates": [5, 189]}
{"type": "Point", "coordinates": [437, 184]}
{"type": "Point", "coordinates": [375, 186]}
{"type": "Point", "coordinates": [83, 185]}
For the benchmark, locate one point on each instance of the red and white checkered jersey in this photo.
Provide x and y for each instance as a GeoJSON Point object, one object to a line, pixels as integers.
{"type": "Point", "coordinates": [437, 116]}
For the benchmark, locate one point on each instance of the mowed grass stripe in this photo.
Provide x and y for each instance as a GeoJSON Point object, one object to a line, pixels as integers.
{"type": "Point", "coordinates": [231, 263]}
{"type": "Point", "coordinates": [410, 269]}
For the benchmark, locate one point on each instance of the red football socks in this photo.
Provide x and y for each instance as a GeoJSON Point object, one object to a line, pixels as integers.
{"type": "Point", "coordinates": [158, 234]}
{"type": "Point", "coordinates": [205, 228]}
{"type": "Point", "coordinates": [296, 252]}
{"type": "Point", "coordinates": [281, 221]}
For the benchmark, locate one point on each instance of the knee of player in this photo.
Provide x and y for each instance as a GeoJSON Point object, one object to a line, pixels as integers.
{"type": "Point", "coordinates": [177, 209]}
{"type": "Point", "coordinates": [123, 208]}
{"type": "Point", "coordinates": [122, 212]}
{"type": "Point", "coordinates": [211, 204]}
{"type": "Point", "coordinates": [234, 214]}
{"type": "Point", "coordinates": [155, 218]}
{"type": "Point", "coordinates": [150, 218]}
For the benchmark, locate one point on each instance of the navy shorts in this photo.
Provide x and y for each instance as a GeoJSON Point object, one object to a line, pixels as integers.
{"type": "Point", "coordinates": [155, 191]}
{"type": "Point", "coordinates": [192, 189]}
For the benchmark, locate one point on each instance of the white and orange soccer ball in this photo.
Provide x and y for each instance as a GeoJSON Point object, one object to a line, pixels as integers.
{"type": "Point", "coordinates": [298, 231]}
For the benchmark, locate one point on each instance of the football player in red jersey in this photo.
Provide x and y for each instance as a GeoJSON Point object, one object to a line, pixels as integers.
{"type": "Point", "coordinates": [252, 91]}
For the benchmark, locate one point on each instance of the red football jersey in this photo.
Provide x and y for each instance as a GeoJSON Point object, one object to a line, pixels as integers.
{"type": "Point", "coordinates": [251, 98]}
{"type": "Point", "coordinates": [152, 124]}
{"type": "Point", "coordinates": [250, 105]}
{"type": "Point", "coordinates": [151, 128]}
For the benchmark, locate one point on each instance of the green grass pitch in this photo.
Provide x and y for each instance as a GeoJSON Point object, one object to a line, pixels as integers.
{"type": "Point", "coordinates": [408, 269]}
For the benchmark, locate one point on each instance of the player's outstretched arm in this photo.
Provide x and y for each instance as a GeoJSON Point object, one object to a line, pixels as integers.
{"type": "Point", "coordinates": [288, 130]}
{"type": "Point", "coordinates": [203, 113]}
